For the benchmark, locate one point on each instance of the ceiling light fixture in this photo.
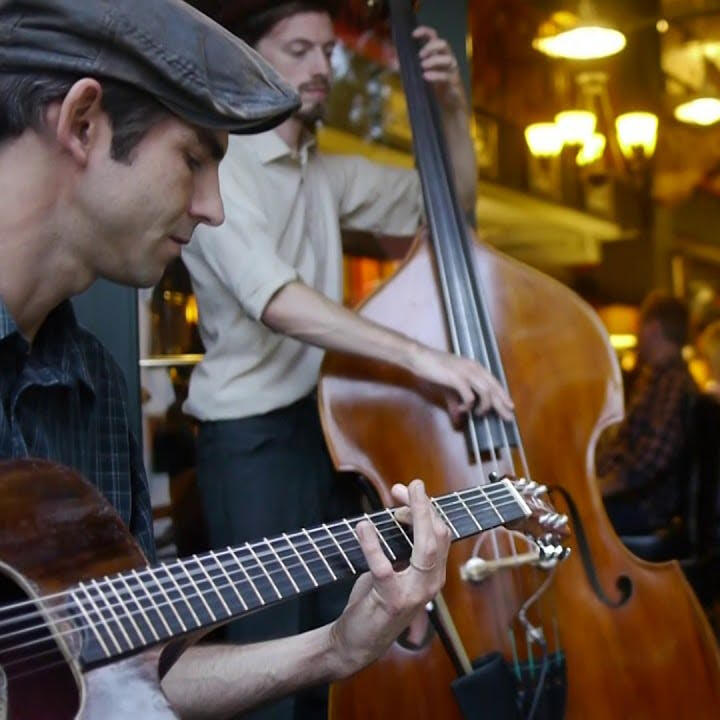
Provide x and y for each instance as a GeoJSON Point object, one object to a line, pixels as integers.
{"type": "Point", "coordinates": [578, 37]}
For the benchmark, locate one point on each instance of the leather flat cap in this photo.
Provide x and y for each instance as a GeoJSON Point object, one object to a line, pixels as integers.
{"type": "Point", "coordinates": [190, 64]}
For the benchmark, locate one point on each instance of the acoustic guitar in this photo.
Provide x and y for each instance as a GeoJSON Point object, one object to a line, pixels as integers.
{"type": "Point", "coordinates": [86, 623]}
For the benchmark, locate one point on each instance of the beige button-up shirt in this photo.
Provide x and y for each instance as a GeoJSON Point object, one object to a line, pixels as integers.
{"type": "Point", "coordinates": [283, 213]}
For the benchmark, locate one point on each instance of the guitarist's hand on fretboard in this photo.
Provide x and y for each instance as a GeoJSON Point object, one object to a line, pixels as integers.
{"type": "Point", "coordinates": [384, 600]}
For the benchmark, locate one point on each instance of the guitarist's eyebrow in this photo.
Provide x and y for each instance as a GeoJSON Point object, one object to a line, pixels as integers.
{"type": "Point", "coordinates": [210, 141]}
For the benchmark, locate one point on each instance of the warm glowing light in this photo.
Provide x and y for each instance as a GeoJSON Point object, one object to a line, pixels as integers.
{"type": "Point", "coordinates": [701, 111]}
{"type": "Point", "coordinates": [575, 126]}
{"type": "Point", "coordinates": [637, 134]}
{"type": "Point", "coordinates": [544, 139]}
{"type": "Point", "coordinates": [662, 25]}
{"type": "Point", "coordinates": [191, 311]}
{"type": "Point", "coordinates": [592, 149]}
{"type": "Point", "coordinates": [586, 42]}
{"type": "Point", "coordinates": [623, 341]}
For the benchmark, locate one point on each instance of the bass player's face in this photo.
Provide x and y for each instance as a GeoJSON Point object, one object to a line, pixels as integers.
{"type": "Point", "coordinates": [299, 47]}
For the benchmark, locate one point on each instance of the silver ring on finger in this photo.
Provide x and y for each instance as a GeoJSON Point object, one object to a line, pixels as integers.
{"type": "Point", "coordinates": [422, 568]}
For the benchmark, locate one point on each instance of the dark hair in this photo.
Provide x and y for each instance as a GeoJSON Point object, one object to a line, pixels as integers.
{"type": "Point", "coordinates": [24, 100]}
{"type": "Point", "coordinates": [671, 314]}
{"type": "Point", "coordinates": [255, 25]}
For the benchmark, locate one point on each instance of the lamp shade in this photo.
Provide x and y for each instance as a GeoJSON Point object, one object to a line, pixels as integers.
{"type": "Point", "coordinates": [700, 111]}
{"type": "Point", "coordinates": [637, 134]}
{"type": "Point", "coordinates": [544, 139]}
{"type": "Point", "coordinates": [575, 126]}
{"type": "Point", "coordinates": [592, 149]}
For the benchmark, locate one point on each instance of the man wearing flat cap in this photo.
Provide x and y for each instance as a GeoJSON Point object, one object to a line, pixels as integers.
{"type": "Point", "coordinates": [269, 283]}
{"type": "Point", "coordinates": [114, 115]}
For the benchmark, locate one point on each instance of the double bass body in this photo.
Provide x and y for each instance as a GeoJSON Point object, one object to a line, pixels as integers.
{"type": "Point", "coordinates": [652, 655]}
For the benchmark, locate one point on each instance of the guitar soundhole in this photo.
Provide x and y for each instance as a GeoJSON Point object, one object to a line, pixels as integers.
{"type": "Point", "coordinates": [39, 684]}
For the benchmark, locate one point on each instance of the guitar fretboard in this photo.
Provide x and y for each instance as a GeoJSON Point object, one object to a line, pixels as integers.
{"type": "Point", "coordinates": [128, 612]}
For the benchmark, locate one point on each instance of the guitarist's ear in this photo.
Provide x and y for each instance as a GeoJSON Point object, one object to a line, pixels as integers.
{"type": "Point", "coordinates": [78, 119]}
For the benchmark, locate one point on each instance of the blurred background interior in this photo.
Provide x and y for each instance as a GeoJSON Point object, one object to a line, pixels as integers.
{"type": "Point", "coordinates": [597, 139]}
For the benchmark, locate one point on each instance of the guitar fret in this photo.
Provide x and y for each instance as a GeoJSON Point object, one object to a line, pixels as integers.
{"type": "Point", "coordinates": [153, 605]}
{"type": "Point", "coordinates": [199, 594]}
{"type": "Point", "coordinates": [440, 510]}
{"type": "Point", "coordinates": [399, 526]}
{"type": "Point", "coordinates": [139, 606]}
{"type": "Point", "coordinates": [112, 612]}
{"type": "Point", "coordinates": [492, 506]}
{"type": "Point", "coordinates": [360, 562]}
{"type": "Point", "coordinates": [127, 610]}
{"type": "Point", "coordinates": [262, 567]}
{"type": "Point", "coordinates": [469, 512]}
{"type": "Point", "coordinates": [300, 557]}
{"type": "Point", "coordinates": [483, 509]}
{"type": "Point", "coordinates": [380, 535]}
{"type": "Point", "coordinates": [231, 582]}
{"type": "Point", "coordinates": [95, 602]}
{"type": "Point", "coordinates": [320, 555]}
{"type": "Point", "coordinates": [249, 579]}
{"type": "Point", "coordinates": [167, 598]}
{"type": "Point", "coordinates": [282, 565]}
{"type": "Point", "coordinates": [342, 552]}
{"type": "Point", "coordinates": [92, 625]}
{"type": "Point", "coordinates": [182, 595]}
{"type": "Point", "coordinates": [213, 585]}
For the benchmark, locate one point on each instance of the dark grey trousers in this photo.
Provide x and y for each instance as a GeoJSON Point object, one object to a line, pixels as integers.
{"type": "Point", "coordinates": [262, 476]}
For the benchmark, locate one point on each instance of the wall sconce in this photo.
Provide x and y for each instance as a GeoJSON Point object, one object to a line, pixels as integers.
{"type": "Point", "coordinates": [592, 150]}
{"type": "Point", "coordinates": [634, 139]}
{"type": "Point", "coordinates": [544, 139]}
{"type": "Point", "coordinates": [576, 126]}
{"type": "Point", "coordinates": [578, 37]}
{"type": "Point", "coordinates": [637, 135]}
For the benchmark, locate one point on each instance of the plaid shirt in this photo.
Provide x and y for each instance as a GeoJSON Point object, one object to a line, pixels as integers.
{"type": "Point", "coordinates": [64, 399]}
{"type": "Point", "coordinates": [644, 450]}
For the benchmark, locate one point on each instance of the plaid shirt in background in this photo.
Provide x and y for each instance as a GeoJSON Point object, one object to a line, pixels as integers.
{"type": "Point", "coordinates": [64, 399]}
{"type": "Point", "coordinates": [643, 451]}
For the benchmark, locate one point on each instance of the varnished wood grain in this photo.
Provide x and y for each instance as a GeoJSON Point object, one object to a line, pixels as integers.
{"type": "Point", "coordinates": [655, 657]}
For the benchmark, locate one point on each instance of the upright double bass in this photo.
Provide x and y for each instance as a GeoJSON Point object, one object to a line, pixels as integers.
{"type": "Point", "coordinates": [626, 638]}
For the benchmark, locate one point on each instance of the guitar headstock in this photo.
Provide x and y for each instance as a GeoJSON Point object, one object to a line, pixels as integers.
{"type": "Point", "coordinates": [544, 521]}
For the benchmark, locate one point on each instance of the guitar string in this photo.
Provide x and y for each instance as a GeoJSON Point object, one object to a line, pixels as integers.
{"type": "Point", "coordinates": [77, 629]}
{"type": "Point", "coordinates": [324, 544]}
{"type": "Point", "coordinates": [141, 610]}
{"type": "Point", "coordinates": [201, 575]}
{"type": "Point", "coordinates": [236, 569]}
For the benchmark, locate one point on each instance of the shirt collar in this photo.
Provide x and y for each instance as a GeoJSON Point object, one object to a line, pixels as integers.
{"type": "Point", "coordinates": [58, 341]}
{"type": "Point", "coordinates": [270, 146]}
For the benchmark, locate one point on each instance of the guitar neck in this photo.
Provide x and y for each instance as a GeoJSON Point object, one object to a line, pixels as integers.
{"type": "Point", "coordinates": [126, 613]}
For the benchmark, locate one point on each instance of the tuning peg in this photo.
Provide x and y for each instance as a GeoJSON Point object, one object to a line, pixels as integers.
{"type": "Point", "coordinates": [560, 521]}
{"type": "Point", "coordinates": [539, 490]}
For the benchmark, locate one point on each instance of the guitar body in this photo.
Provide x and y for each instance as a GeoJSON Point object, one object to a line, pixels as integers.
{"type": "Point", "coordinates": [57, 530]}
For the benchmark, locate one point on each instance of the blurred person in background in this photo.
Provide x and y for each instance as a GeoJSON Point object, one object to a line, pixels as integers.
{"type": "Point", "coordinates": [639, 461]}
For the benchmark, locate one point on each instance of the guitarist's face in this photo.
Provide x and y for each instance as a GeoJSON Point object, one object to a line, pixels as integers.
{"type": "Point", "coordinates": [300, 47]}
{"type": "Point", "coordinates": [133, 218]}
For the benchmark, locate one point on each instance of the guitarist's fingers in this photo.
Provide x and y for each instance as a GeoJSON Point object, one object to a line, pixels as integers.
{"type": "Point", "coordinates": [427, 545]}
{"type": "Point", "coordinates": [377, 562]}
